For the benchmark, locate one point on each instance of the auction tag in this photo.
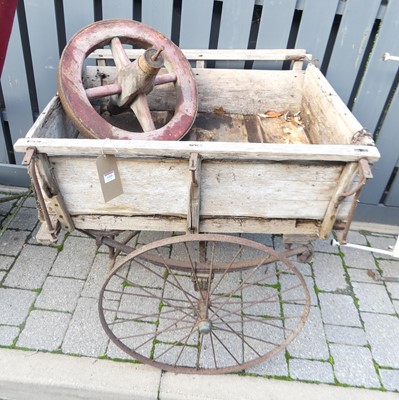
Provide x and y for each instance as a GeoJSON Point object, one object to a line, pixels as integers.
{"type": "Point", "coordinates": [110, 180]}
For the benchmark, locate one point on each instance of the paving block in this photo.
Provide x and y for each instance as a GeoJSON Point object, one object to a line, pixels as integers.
{"type": "Point", "coordinates": [11, 242]}
{"type": "Point", "coordinates": [373, 298]}
{"type": "Point", "coordinates": [329, 272]}
{"type": "Point", "coordinates": [274, 366]}
{"type": "Point", "coordinates": [2, 275]}
{"type": "Point", "coordinates": [291, 292]}
{"type": "Point", "coordinates": [303, 268]}
{"type": "Point", "coordinates": [267, 240]}
{"type": "Point", "coordinates": [390, 378]}
{"type": "Point", "coordinates": [76, 258]}
{"type": "Point", "coordinates": [146, 237]}
{"type": "Point", "coordinates": [382, 334]}
{"type": "Point", "coordinates": [396, 305]}
{"type": "Point", "coordinates": [361, 275]}
{"type": "Point", "coordinates": [8, 334]}
{"type": "Point", "coordinates": [58, 242]}
{"type": "Point", "coordinates": [44, 330]}
{"type": "Point", "coordinates": [325, 246]}
{"type": "Point", "coordinates": [30, 202]}
{"type": "Point", "coordinates": [357, 258]}
{"type": "Point", "coordinates": [389, 267]}
{"type": "Point", "coordinates": [345, 335]}
{"type": "Point", "coordinates": [96, 277]}
{"type": "Point", "coordinates": [309, 370]}
{"type": "Point", "coordinates": [311, 341]}
{"type": "Point", "coordinates": [85, 335]}
{"type": "Point", "coordinates": [354, 366]}
{"type": "Point", "coordinates": [6, 262]}
{"type": "Point", "coordinates": [25, 219]}
{"type": "Point", "coordinates": [339, 309]}
{"type": "Point", "coordinates": [15, 305]}
{"type": "Point", "coordinates": [383, 243]}
{"type": "Point", "coordinates": [393, 289]}
{"type": "Point", "coordinates": [31, 267]}
{"type": "Point", "coordinates": [59, 294]}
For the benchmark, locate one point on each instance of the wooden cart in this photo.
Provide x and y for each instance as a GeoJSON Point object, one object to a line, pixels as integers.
{"type": "Point", "coordinates": [271, 151]}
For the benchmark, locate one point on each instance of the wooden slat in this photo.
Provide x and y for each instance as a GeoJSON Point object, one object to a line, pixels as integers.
{"type": "Point", "coordinates": [237, 14]}
{"type": "Point", "coordinates": [222, 54]}
{"type": "Point", "coordinates": [117, 9]}
{"type": "Point", "coordinates": [209, 150]}
{"type": "Point", "coordinates": [15, 89]}
{"type": "Point", "coordinates": [276, 17]}
{"type": "Point", "coordinates": [195, 25]}
{"type": "Point", "coordinates": [379, 76]}
{"type": "Point", "coordinates": [388, 144]}
{"type": "Point", "coordinates": [158, 15]}
{"type": "Point", "coordinates": [44, 48]}
{"type": "Point", "coordinates": [356, 24]}
{"type": "Point", "coordinates": [77, 16]}
{"type": "Point", "coordinates": [314, 30]}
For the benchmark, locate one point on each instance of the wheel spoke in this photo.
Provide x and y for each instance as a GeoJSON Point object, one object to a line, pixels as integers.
{"type": "Point", "coordinates": [103, 91]}
{"type": "Point", "coordinates": [118, 52]}
{"type": "Point", "coordinates": [161, 79]}
{"type": "Point", "coordinates": [142, 111]}
{"type": "Point", "coordinates": [214, 334]}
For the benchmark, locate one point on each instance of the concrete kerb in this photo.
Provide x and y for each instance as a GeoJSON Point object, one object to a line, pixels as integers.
{"type": "Point", "coordinates": [45, 376]}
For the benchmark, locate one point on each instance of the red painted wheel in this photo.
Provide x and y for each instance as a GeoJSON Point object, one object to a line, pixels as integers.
{"type": "Point", "coordinates": [76, 100]}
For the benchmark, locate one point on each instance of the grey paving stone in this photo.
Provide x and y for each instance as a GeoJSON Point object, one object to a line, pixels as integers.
{"type": "Point", "coordinates": [274, 366]}
{"type": "Point", "coordinates": [389, 267]}
{"type": "Point", "coordinates": [339, 309]}
{"type": "Point", "coordinates": [30, 202]}
{"type": "Point", "coordinates": [6, 207]}
{"type": "Point", "coordinates": [383, 243]}
{"type": "Point", "coordinates": [96, 277]}
{"type": "Point", "coordinates": [44, 330]}
{"type": "Point", "coordinates": [11, 242]}
{"type": "Point", "coordinates": [396, 305]}
{"type": "Point", "coordinates": [6, 262]}
{"type": "Point", "coordinates": [345, 335]}
{"type": "Point", "coordinates": [357, 258]}
{"type": "Point", "coordinates": [31, 267]}
{"type": "Point", "coordinates": [325, 246]}
{"type": "Point", "coordinates": [354, 366]}
{"type": "Point", "coordinates": [85, 335]}
{"type": "Point", "coordinates": [8, 334]}
{"type": "Point", "coordinates": [303, 268]}
{"type": "Point", "coordinates": [382, 334]}
{"type": "Point", "coordinates": [390, 378]}
{"type": "Point", "coordinates": [361, 275]}
{"type": "Point", "coordinates": [311, 341]}
{"type": "Point", "coordinates": [393, 289]}
{"type": "Point", "coordinates": [150, 236]}
{"type": "Point", "coordinates": [373, 298]}
{"type": "Point", "coordinates": [25, 219]}
{"type": "Point", "coordinates": [291, 292]}
{"type": "Point", "coordinates": [76, 258]}
{"type": "Point", "coordinates": [58, 242]}
{"type": "Point", "coordinates": [59, 294]}
{"type": "Point", "coordinates": [316, 371]}
{"type": "Point", "coordinates": [329, 272]}
{"type": "Point", "coordinates": [357, 237]}
{"type": "Point", "coordinates": [15, 305]}
{"type": "Point", "coordinates": [2, 275]}
{"type": "Point", "coordinates": [267, 240]}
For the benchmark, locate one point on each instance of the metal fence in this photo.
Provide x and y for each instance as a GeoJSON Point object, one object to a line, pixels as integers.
{"type": "Point", "coordinates": [348, 37]}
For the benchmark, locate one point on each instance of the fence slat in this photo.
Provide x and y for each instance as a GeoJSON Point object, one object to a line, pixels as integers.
{"type": "Point", "coordinates": [117, 9]}
{"type": "Point", "coordinates": [158, 15]}
{"type": "Point", "coordinates": [15, 89]}
{"type": "Point", "coordinates": [3, 148]}
{"type": "Point", "coordinates": [388, 145]}
{"type": "Point", "coordinates": [276, 17]}
{"type": "Point", "coordinates": [314, 30]}
{"type": "Point", "coordinates": [196, 23]}
{"type": "Point", "coordinates": [393, 195]}
{"type": "Point", "coordinates": [77, 16]}
{"type": "Point", "coordinates": [44, 48]}
{"type": "Point", "coordinates": [357, 24]}
{"type": "Point", "coordinates": [237, 14]}
{"type": "Point", "coordinates": [377, 81]}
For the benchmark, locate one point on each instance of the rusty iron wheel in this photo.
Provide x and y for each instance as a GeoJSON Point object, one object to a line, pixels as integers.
{"type": "Point", "coordinates": [210, 317]}
{"type": "Point", "coordinates": [75, 98]}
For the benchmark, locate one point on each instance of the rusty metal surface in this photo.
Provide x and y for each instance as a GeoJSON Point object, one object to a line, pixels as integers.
{"type": "Point", "coordinates": [75, 100]}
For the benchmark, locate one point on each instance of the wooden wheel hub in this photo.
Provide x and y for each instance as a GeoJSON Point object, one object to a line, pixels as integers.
{"type": "Point", "coordinates": [134, 81]}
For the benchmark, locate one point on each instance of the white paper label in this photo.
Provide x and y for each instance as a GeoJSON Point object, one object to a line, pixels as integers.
{"type": "Point", "coordinates": [109, 176]}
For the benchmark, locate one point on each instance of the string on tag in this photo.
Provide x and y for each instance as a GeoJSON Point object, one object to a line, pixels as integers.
{"type": "Point", "coordinates": [103, 144]}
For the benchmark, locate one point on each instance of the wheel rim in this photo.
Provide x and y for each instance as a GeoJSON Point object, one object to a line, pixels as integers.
{"type": "Point", "coordinates": [234, 320]}
{"type": "Point", "coordinates": [74, 97]}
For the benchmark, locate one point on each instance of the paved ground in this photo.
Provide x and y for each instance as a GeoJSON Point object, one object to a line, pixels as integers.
{"type": "Point", "coordinates": [48, 302]}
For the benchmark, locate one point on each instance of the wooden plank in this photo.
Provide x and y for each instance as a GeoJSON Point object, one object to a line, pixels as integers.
{"type": "Point", "coordinates": [209, 150]}
{"type": "Point", "coordinates": [237, 14]}
{"type": "Point", "coordinates": [77, 17]}
{"type": "Point", "coordinates": [44, 48]}
{"type": "Point", "coordinates": [15, 89]}
{"type": "Point", "coordinates": [388, 145]}
{"type": "Point", "coordinates": [195, 35]}
{"type": "Point", "coordinates": [158, 15]}
{"type": "Point", "coordinates": [220, 54]}
{"type": "Point", "coordinates": [326, 117]}
{"type": "Point", "coordinates": [316, 22]}
{"type": "Point", "coordinates": [353, 35]}
{"type": "Point", "coordinates": [117, 9]}
{"type": "Point", "coordinates": [379, 76]}
{"type": "Point", "coordinates": [276, 17]}
{"type": "Point", "coordinates": [270, 90]}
